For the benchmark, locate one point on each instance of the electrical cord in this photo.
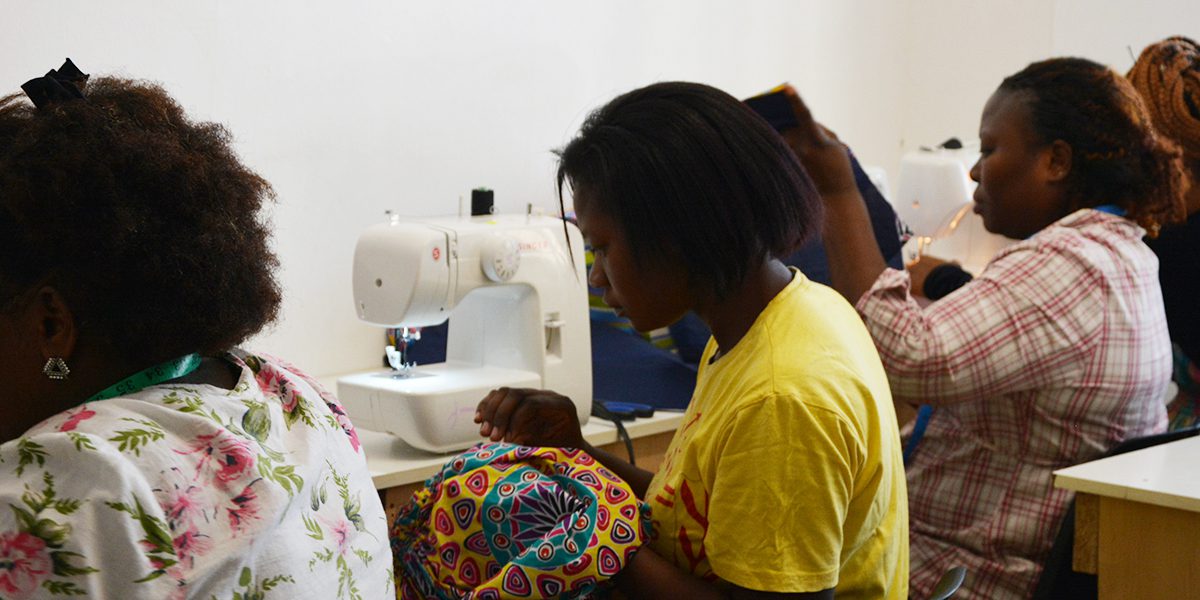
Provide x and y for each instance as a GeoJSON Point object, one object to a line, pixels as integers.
{"type": "Point", "coordinates": [601, 411]}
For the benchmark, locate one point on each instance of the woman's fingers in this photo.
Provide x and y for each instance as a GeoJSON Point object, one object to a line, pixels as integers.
{"type": "Point", "coordinates": [502, 416]}
{"type": "Point", "coordinates": [528, 417]}
{"type": "Point", "coordinates": [485, 412]}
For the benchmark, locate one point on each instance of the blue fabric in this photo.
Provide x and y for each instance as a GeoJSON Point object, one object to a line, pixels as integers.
{"type": "Point", "coordinates": [923, 415]}
{"type": "Point", "coordinates": [625, 368]}
{"type": "Point", "coordinates": [811, 258]}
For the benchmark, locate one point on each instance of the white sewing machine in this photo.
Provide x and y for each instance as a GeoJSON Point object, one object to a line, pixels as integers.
{"type": "Point", "coordinates": [934, 200]}
{"type": "Point", "coordinates": [516, 298]}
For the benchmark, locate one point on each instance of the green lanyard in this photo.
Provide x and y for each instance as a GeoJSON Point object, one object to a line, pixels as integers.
{"type": "Point", "coordinates": [153, 376]}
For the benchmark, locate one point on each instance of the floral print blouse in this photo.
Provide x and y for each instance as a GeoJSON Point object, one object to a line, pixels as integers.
{"type": "Point", "coordinates": [192, 491]}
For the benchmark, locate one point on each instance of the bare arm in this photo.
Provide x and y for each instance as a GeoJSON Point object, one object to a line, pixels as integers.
{"type": "Point", "coordinates": [854, 259]}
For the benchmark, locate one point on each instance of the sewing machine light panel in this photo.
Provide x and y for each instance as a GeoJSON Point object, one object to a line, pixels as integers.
{"type": "Point", "coordinates": [403, 274]}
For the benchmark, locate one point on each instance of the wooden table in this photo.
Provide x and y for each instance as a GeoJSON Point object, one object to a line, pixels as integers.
{"type": "Point", "coordinates": [1137, 521]}
{"type": "Point", "coordinates": [398, 469]}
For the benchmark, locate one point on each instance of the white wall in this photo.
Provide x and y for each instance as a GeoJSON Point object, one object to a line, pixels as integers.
{"type": "Point", "coordinates": [353, 107]}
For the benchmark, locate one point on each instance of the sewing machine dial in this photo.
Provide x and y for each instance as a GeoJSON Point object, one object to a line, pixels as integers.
{"type": "Point", "coordinates": [500, 258]}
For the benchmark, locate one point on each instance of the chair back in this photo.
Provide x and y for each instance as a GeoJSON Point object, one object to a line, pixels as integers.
{"type": "Point", "coordinates": [949, 583]}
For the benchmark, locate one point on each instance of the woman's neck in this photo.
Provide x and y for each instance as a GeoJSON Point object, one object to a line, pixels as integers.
{"type": "Point", "coordinates": [732, 317]}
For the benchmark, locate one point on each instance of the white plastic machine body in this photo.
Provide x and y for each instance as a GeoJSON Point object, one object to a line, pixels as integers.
{"type": "Point", "coordinates": [516, 298]}
{"type": "Point", "coordinates": [934, 199]}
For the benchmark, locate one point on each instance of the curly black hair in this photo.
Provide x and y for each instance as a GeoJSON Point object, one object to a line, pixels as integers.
{"type": "Point", "coordinates": [1117, 156]}
{"type": "Point", "coordinates": [689, 171]}
{"type": "Point", "coordinates": [146, 221]}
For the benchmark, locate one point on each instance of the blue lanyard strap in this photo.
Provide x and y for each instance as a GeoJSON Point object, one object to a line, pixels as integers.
{"type": "Point", "coordinates": [155, 375]}
{"type": "Point", "coordinates": [918, 431]}
{"type": "Point", "coordinates": [1111, 209]}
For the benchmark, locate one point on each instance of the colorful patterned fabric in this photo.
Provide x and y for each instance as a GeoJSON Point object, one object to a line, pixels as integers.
{"type": "Point", "coordinates": [507, 521]}
{"type": "Point", "coordinates": [1057, 352]}
{"type": "Point", "coordinates": [182, 491]}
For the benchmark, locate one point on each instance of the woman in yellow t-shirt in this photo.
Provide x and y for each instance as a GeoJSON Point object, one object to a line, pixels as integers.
{"type": "Point", "coordinates": [786, 478]}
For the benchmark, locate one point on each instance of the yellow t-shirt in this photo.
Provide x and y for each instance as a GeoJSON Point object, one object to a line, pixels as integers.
{"type": "Point", "coordinates": [787, 474]}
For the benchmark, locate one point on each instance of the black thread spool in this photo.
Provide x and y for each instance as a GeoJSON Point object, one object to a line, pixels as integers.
{"type": "Point", "coordinates": [482, 202]}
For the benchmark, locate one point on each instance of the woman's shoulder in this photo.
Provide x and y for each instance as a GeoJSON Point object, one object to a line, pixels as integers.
{"type": "Point", "coordinates": [1091, 244]}
{"type": "Point", "coordinates": [183, 475]}
{"type": "Point", "coordinates": [303, 400]}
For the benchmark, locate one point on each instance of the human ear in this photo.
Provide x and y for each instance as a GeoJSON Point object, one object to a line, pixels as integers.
{"type": "Point", "coordinates": [53, 323]}
{"type": "Point", "coordinates": [1057, 161]}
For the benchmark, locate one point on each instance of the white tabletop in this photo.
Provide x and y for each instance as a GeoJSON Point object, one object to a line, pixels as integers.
{"type": "Point", "coordinates": [393, 463]}
{"type": "Point", "coordinates": [1164, 475]}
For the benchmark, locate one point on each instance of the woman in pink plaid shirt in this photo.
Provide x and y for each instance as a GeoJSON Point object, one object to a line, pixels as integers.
{"type": "Point", "coordinates": [1056, 352]}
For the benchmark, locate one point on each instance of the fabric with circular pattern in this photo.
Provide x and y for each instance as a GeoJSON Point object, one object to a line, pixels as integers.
{"type": "Point", "coordinates": [504, 521]}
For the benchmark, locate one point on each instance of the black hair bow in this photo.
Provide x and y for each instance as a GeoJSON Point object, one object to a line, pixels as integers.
{"type": "Point", "coordinates": [63, 85]}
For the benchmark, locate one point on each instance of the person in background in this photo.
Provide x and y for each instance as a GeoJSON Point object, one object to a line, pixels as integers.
{"type": "Point", "coordinates": [1167, 75]}
{"type": "Point", "coordinates": [144, 455]}
{"type": "Point", "coordinates": [1055, 353]}
{"type": "Point", "coordinates": [786, 478]}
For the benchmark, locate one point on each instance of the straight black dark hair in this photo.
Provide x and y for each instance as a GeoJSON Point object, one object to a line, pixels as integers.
{"type": "Point", "coordinates": [688, 172]}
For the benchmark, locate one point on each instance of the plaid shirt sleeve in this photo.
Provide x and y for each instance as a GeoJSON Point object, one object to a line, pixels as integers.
{"type": "Point", "coordinates": [1033, 310]}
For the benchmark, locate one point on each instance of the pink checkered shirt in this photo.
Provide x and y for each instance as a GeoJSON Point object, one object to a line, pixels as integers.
{"type": "Point", "coordinates": [1055, 353]}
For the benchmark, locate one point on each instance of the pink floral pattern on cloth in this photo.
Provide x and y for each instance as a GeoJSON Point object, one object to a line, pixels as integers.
{"type": "Point", "coordinates": [179, 491]}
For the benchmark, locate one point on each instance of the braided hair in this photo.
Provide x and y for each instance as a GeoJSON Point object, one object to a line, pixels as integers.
{"type": "Point", "coordinates": [1167, 74]}
{"type": "Point", "coordinates": [1116, 155]}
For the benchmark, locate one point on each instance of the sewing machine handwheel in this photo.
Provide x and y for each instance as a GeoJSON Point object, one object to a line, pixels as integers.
{"type": "Point", "coordinates": [500, 258]}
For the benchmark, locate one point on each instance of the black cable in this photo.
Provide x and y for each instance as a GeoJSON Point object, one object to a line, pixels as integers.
{"type": "Point", "coordinates": [601, 411]}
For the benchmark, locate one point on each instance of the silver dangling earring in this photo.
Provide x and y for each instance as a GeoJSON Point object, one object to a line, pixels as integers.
{"type": "Point", "coordinates": [56, 369]}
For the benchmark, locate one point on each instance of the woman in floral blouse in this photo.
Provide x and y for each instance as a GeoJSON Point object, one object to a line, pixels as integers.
{"type": "Point", "coordinates": [143, 455]}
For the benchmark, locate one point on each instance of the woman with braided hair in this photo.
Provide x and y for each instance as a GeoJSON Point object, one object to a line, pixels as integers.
{"type": "Point", "coordinates": [1055, 353]}
{"type": "Point", "coordinates": [1167, 74]}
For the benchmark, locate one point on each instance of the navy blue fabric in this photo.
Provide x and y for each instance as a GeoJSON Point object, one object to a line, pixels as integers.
{"type": "Point", "coordinates": [625, 368]}
{"type": "Point", "coordinates": [431, 348]}
{"type": "Point", "coordinates": [811, 258]}
{"type": "Point", "coordinates": [1178, 251]}
{"type": "Point", "coordinates": [943, 280]}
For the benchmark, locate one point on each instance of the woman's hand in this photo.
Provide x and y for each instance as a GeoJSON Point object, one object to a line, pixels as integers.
{"type": "Point", "coordinates": [530, 418]}
{"type": "Point", "coordinates": [819, 150]}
